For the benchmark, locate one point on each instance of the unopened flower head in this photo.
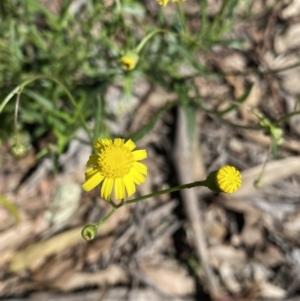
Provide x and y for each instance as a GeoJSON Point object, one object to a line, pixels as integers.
{"type": "Point", "coordinates": [18, 150]}
{"type": "Point", "coordinates": [129, 60]}
{"type": "Point", "coordinates": [89, 232]}
{"type": "Point", "coordinates": [226, 179]}
{"type": "Point", "coordinates": [117, 166]}
{"type": "Point", "coordinates": [165, 2]}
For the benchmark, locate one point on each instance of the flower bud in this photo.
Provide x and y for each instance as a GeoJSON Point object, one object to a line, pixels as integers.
{"type": "Point", "coordinates": [163, 2]}
{"type": "Point", "coordinates": [89, 232]}
{"type": "Point", "coordinates": [226, 179]}
{"type": "Point", "coordinates": [129, 60]}
{"type": "Point", "coordinates": [277, 135]}
{"type": "Point", "coordinates": [18, 150]}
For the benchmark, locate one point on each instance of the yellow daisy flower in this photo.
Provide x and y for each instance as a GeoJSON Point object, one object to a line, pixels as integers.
{"type": "Point", "coordinates": [117, 166]}
{"type": "Point", "coordinates": [226, 179]}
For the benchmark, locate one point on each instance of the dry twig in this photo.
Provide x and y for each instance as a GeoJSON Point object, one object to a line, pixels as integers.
{"type": "Point", "coordinates": [183, 164]}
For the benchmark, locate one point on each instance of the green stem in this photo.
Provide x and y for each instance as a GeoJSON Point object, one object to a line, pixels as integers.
{"type": "Point", "coordinates": [16, 118]}
{"type": "Point", "coordinates": [8, 97]}
{"type": "Point", "coordinates": [113, 204]}
{"type": "Point", "coordinates": [203, 6]}
{"type": "Point", "coordinates": [218, 17]}
{"type": "Point", "coordinates": [71, 98]}
{"type": "Point", "coordinates": [119, 7]}
{"type": "Point", "coordinates": [105, 218]}
{"type": "Point", "coordinates": [240, 126]}
{"type": "Point", "coordinates": [97, 128]}
{"type": "Point", "coordinates": [286, 117]}
{"type": "Point", "coordinates": [182, 16]}
{"type": "Point", "coordinates": [169, 190]}
{"type": "Point", "coordinates": [246, 127]}
{"type": "Point", "coordinates": [148, 37]}
{"type": "Point", "coordinates": [122, 20]}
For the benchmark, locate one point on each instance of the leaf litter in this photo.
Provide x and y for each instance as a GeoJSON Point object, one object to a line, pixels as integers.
{"type": "Point", "coordinates": [147, 250]}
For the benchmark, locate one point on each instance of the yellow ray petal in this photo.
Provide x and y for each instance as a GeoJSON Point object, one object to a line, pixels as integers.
{"type": "Point", "coordinates": [140, 167]}
{"type": "Point", "coordinates": [92, 182]}
{"type": "Point", "coordinates": [119, 189]}
{"type": "Point", "coordinates": [139, 154]}
{"type": "Point", "coordinates": [106, 188]}
{"type": "Point", "coordinates": [130, 144]}
{"type": "Point", "coordinates": [118, 141]}
{"type": "Point", "coordinates": [137, 177]}
{"type": "Point", "coordinates": [129, 185]}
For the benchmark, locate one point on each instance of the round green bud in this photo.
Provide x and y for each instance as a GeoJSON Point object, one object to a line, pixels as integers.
{"type": "Point", "coordinates": [277, 134]}
{"type": "Point", "coordinates": [18, 150]}
{"type": "Point", "coordinates": [211, 182]}
{"type": "Point", "coordinates": [89, 232]}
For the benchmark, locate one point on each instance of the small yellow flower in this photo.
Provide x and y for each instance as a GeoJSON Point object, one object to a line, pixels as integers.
{"type": "Point", "coordinates": [226, 179]}
{"type": "Point", "coordinates": [165, 2]}
{"type": "Point", "coordinates": [117, 166]}
{"type": "Point", "coordinates": [129, 60]}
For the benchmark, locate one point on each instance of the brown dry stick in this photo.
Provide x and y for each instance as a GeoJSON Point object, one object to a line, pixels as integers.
{"type": "Point", "coordinates": [183, 165]}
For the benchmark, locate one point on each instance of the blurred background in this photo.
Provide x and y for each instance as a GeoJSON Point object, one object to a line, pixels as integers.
{"type": "Point", "coordinates": [216, 83]}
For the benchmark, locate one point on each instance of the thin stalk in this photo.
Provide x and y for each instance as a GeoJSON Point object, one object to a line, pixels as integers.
{"type": "Point", "coordinates": [203, 7]}
{"type": "Point", "coordinates": [8, 97]}
{"type": "Point", "coordinates": [148, 37]}
{"type": "Point", "coordinates": [218, 17]}
{"type": "Point", "coordinates": [122, 20]}
{"type": "Point", "coordinates": [182, 16]}
{"type": "Point", "coordinates": [286, 117]}
{"type": "Point", "coordinates": [97, 128]}
{"type": "Point", "coordinates": [16, 118]}
{"type": "Point", "coordinates": [105, 218]}
{"type": "Point", "coordinates": [169, 190]}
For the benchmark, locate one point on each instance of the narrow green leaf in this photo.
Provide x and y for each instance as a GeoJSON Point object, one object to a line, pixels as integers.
{"type": "Point", "coordinates": [239, 100]}
{"type": "Point", "coordinates": [99, 116]}
{"type": "Point", "coordinates": [48, 105]}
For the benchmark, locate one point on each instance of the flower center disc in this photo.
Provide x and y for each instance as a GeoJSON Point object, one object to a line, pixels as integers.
{"type": "Point", "coordinates": [115, 161]}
